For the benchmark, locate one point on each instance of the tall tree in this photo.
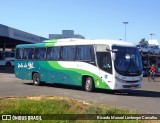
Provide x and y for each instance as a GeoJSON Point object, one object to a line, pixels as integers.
{"type": "Point", "coordinates": [143, 42]}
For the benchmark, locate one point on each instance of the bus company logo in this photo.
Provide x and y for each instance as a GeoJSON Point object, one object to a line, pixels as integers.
{"type": "Point", "coordinates": [30, 65]}
{"type": "Point", "coordinates": [25, 65]}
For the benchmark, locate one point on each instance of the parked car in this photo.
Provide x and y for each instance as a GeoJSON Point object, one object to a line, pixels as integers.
{"type": "Point", "coordinates": [7, 58]}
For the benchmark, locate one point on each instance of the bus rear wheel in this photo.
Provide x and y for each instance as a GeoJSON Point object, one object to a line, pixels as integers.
{"type": "Point", "coordinates": [89, 84]}
{"type": "Point", "coordinates": [36, 79]}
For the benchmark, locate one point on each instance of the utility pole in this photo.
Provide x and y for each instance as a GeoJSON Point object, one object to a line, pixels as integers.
{"type": "Point", "coordinates": [151, 35]}
{"type": "Point", "coordinates": [125, 29]}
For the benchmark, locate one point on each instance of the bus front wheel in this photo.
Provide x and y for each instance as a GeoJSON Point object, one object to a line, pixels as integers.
{"type": "Point", "coordinates": [89, 84]}
{"type": "Point", "coordinates": [36, 79]}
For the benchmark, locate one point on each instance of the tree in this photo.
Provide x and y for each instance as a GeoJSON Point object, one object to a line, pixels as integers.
{"type": "Point", "coordinates": [143, 42]}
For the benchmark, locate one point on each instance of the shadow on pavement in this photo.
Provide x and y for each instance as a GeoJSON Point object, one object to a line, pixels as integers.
{"type": "Point", "coordinates": [144, 93]}
{"type": "Point", "coordinates": [134, 93]}
{"type": "Point", "coordinates": [4, 69]}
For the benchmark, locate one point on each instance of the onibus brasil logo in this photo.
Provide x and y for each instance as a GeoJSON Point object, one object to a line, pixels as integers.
{"type": "Point", "coordinates": [30, 65]}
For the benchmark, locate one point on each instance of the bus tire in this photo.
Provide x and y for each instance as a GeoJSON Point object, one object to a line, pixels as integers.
{"type": "Point", "coordinates": [36, 79]}
{"type": "Point", "coordinates": [8, 64]}
{"type": "Point", "coordinates": [89, 84]}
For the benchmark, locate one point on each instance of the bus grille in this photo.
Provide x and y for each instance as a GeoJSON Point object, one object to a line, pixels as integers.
{"type": "Point", "coordinates": [130, 86]}
{"type": "Point", "coordinates": [132, 81]}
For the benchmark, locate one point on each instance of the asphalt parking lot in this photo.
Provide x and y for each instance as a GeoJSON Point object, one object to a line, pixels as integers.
{"type": "Point", "coordinates": [144, 100]}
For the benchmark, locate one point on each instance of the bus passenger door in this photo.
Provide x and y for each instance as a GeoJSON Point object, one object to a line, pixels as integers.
{"type": "Point", "coordinates": [105, 68]}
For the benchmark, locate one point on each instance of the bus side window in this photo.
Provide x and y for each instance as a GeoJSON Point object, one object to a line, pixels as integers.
{"type": "Point", "coordinates": [40, 53]}
{"type": "Point", "coordinates": [28, 53]}
{"type": "Point", "coordinates": [49, 53]}
{"type": "Point", "coordinates": [19, 53]}
{"type": "Point", "coordinates": [85, 53]}
{"type": "Point", "coordinates": [53, 53]}
{"type": "Point", "coordinates": [68, 53]}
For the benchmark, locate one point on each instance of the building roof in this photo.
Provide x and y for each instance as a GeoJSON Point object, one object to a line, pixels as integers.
{"type": "Point", "coordinates": [19, 35]}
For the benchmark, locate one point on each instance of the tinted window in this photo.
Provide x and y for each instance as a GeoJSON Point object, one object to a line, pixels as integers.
{"type": "Point", "coordinates": [1, 56]}
{"type": "Point", "coordinates": [9, 54]}
{"type": "Point", "coordinates": [85, 53]}
{"type": "Point", "coordinates": [40, 53]}
{"type": "Point", "coordinates": [127, 66]}
{"type": "Point", "coordinates": [53, 53]}
{"type": "Point", "coordinates": [19, 53]}
{"type": "Point", "coordinates": [68, 53]}
{"type": "Point", "coordinates": [28, 53]}
{"type": "Point", "coordinates": [104, 61]}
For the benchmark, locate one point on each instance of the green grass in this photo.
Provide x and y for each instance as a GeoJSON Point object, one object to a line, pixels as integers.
{"type": "Point", "coordinates": [59, 105]}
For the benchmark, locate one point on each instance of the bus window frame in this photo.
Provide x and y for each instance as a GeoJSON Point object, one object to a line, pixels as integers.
{"type": "Point", "coordinates": [45, 53]}
{"type": "Point", "coordinates": [24, 50]}
{"type": "Point", "coordinates": [93, 58]}
{"type": "Point", "coordinates": [16, 54]}
{"type": "Point", "coordinates": [58, 53]}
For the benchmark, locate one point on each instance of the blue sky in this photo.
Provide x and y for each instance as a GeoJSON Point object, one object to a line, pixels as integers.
{"type": "Point", "coordinates": [94, 19]}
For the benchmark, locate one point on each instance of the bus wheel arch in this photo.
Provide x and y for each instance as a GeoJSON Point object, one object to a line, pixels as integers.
{"type": "Point", "coordinates": [36, 78]}
{"type": "Point", "coordinates": [88, 83]}
{"type": "Point", "coordinates": [8, 64]}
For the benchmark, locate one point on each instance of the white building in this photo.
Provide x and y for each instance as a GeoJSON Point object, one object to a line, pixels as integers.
{"type": "Point", "coordinates": [66, 34]}
{"type": "Point", "coordinates": [153, 42]}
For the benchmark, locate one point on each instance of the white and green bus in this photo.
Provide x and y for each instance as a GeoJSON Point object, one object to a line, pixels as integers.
{"type": "Point", "coordinates": [91, 64]}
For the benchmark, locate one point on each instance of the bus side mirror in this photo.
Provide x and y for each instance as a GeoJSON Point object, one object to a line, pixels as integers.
{"type": "Point", "coordinates": [113, 56]}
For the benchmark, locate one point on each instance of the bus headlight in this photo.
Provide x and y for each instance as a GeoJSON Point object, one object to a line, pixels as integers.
{"type": "Point", "coordinates": [120, 80]}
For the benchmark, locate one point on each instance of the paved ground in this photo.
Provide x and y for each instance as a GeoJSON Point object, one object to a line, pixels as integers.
{"type": "Point", "coordinates": [144, 100]}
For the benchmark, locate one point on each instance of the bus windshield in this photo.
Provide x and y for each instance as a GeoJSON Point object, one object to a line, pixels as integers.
{"type": "Point", "coordinates": [127, 61]}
